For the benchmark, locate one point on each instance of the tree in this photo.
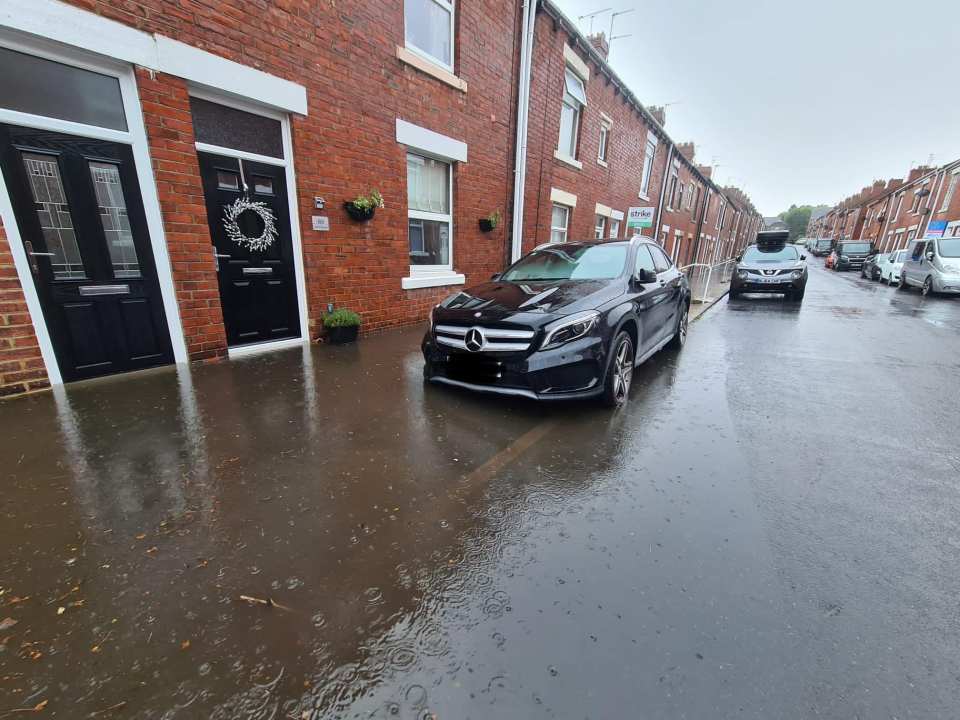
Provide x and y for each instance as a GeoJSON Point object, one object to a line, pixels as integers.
{"type": "Point", "coordinates": [797, 218]}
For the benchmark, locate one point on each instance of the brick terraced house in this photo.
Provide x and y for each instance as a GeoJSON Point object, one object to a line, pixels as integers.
{"type": "Point", "coordinates": [174, 175]}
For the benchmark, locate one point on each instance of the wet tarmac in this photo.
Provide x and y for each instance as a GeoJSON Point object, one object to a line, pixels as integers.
{"type": "Point", "coordinates": [770, 529]}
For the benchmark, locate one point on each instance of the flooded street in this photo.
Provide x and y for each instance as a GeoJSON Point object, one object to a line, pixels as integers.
{"type": "Point", "coordinates": [316, 534]}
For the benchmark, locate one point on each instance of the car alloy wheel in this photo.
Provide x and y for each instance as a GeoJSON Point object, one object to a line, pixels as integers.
{"type": "Point", "coordinates": [621, 371]}
{"type": "Point", "coordinates": [683, 326]}
{"type": "Point", "coordinates": [927, 287]}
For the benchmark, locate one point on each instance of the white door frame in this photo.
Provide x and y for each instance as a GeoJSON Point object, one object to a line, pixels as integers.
{"type": "Point", "coordinates": [136, 138]}
{"type": "Point", "coordinates": [286, 162]}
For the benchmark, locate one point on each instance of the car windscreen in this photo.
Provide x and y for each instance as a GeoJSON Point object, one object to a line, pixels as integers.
{"type": "Point", "coordinates": [823, 244]}
{"type": "Point", "coordinates": [570, 262]}
{"type": "Point", "coordinates": [949, 247]}
{"type": "Point", "coordinates": [756, 254]}
{"type": "Point", "coordinates": [855, 247]}
{"type": "Point", "coordinates": [900, 256]}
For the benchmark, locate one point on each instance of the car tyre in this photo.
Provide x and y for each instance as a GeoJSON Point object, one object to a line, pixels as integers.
{"type": "Point", "coordinates": [863, 273]}
{"type": "Point", "coordinates": [927, 288]}
{"type": "Point", "coordinates": [683, 325]}
{"type": "Point", "coordinates": [903, 283]}
{"type": "Point", "coordinates": [616, 389]}
{"type": "Point", "coordinates": [734, 295]}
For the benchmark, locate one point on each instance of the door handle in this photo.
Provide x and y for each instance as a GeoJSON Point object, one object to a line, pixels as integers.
{"type": "Point", "coordinates": [40, 254]}
{"type": "Point", "coordinates": [216, 259]}
{"type": "Point", "coordinates": [31, 258]}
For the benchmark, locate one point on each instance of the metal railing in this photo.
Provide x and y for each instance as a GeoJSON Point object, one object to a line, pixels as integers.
{"type": "Point", "coordinates": [708, 281]}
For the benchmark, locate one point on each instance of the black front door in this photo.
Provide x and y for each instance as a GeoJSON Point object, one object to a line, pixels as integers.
{"type": "Point", "coordinates": [258, 289]}
{"type": "Point", "coordinates": [80, 214]}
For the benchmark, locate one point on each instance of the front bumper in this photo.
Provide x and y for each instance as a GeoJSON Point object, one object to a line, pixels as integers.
{"type": "Point", "coordinates": [572, 371]}
{"type": "Point", "coordinates": [850, 263]}
{"type": "Point", "coordinates": [785, 285]}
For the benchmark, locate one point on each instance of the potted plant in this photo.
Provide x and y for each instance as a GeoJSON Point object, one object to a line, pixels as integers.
{"type": "Point", "coordinates": [341, 326]}
{"type": "Point", "coordinates": [362, 207]}
{"type": "Point", "coordinates": [490, 221]}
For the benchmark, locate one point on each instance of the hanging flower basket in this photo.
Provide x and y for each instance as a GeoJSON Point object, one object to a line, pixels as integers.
{"type": "Point", "coordinates": [357, 213]}
{"type": "Point", "coordinates": [486, 225]}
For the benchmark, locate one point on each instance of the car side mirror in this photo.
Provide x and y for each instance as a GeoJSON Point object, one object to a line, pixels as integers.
{"type": "Point", "coordinates": [495, 277]}
{"type": "Point", "coordinates": [930, 256]}
{"type": "Point", "coordinates": [644, 276]}
{"type": "Point", "coordinates": [803, 257]}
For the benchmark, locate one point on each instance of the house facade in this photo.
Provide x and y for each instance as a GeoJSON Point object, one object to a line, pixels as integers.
{"type": "Point", "coordinates": [174, 177]}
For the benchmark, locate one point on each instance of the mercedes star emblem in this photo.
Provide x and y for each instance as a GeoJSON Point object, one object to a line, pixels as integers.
{"type": "Point", "coordinates": [474, 340]}
{"type": "Point", "coordinates": [477, 314]}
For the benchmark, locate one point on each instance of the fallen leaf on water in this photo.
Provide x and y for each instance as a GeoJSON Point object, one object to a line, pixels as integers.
{"type": "Point", "coordinates": [153, 549]}
{"type": "Point", "coordinates": [7, 623]}
{"type": "Point", "coordinates": [185, 645]}
{"type": "Point", "coordinates": [61, 610]}
{"type": "Point", "coordinates": [95, 649]}
{"type": "Point", "coordinates": [141, 536]}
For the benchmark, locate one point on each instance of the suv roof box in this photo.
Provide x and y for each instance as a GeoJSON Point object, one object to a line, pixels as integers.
{"type": "Point", "coordinates": [772, 237]}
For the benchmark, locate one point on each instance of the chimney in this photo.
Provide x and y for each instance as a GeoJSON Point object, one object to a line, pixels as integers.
{"type": "Point", "coordinates": [659, 114]}
{"type": "Point", "coordinates": [878, 185]}
{"type": "Point", "coordinates": [894, 183]}
{"type": "Point", "coordinates": [917, 172]}
{"type": "Point", "coordinates": [705, 170]}
{"type": "Point", "coordinates": [687, 150]}
{"type": "Point", "coordinates": [600, 44]}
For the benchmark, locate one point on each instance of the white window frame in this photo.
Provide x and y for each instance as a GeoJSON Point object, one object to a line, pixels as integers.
{"type": "Point", "coordinates": [677, 241]}
{"type": "Point", "coordinates": [427, 143]}
{"type": "Point", "coordinates": [614, 233]}
{"type": "Point", "coordinates": [951, 189]}
{"type": "Point", "coordinates": [672, 188]}
{"type": "Point", "coordinates": [603, 146]}
{"type": "Point", "coordinates": [899, 201]}
{"type": "Point", "coordinates": [565, 229]}
{"type": "Point", "coordinates": [561, 153]}
{"type": "Point", "coordinates": [917, 200]}
{"type": "Point", "coordinates": [723, 210]}
{"type": "Point", "coordinates": [600, 227]}
{"type": "Point", "coordinates": [448, 5]}
{"type": "Point", "coordinates": [646, 174]}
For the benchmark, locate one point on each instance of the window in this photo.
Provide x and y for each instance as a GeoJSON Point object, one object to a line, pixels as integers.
{"type": "Point", "coordinates": [918, 198]}
{"type": "Point", "coordinates": [664, 234]}
{"type": "Point", "coordinates": [648, 156]}
{"type": "Point", "coordinates": [603, 148]}
{"type": "Point", "coordinates": [575, 262]}
{"type": "Point", "coordinates": [429, 213]}
{"type": "Point", "coordinates": [113, 217]}
{"type": "Point", "coordinates": [53, 212]}
{"type": "Point", "coordinates": [600, 229]}
{"type": "Point", "coordinates": [574, 99]}
{"type": "Point", "coordinates": [677, 243]}
{"type": "Point", "coordinates": [723, 211]}
{"type": "Point", "coordinates": [911, 235]}
{"type": "Point", "coordinates": [559, 222]}
{"type": "Point", "coordinates": [896, 213]}
{"type": "Point", "coordinates": [917, 249]}
{"type": "Point", "coordinates": [645, 260]}
{"type": "Point", "coordinates": [614, 228]}
{"type": "Point", "coordinates": [695, 201]}
{"type": "Point", "coordinates": [951, 189]}
{"type": "Point", "coordinates": [428, 29]}
{"type": "Point", "coordinates": [672, 189]}
{"type": "Point", "coordinates": [660, 259]}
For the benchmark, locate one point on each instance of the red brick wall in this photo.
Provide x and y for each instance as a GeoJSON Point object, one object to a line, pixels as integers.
{"type": "Point", "coordinates": [683, 214]}
{"type": "Point", "coordinates": [21, 365]}
{"type": "Point", "coordinates": [345, 55]}
{"type": "Point", "coordinates": [616, 185]}
{"type": "Point", "coordinates": [166, 113]}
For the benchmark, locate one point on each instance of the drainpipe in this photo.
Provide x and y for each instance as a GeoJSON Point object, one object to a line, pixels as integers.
{"type": "Point", "coordinates": [663, 193]}
{"type": "Point", "coordinates": [523, 113]}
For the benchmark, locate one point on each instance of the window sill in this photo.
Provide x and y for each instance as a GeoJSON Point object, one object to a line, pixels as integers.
{"type": "Point", "coordinates": [431, 69]}
{"type": "Point", "coordinates": [432, 280]}
{"type": "Point", "coordinates": [568, 160]}
{"type": "Point", "coordinates": [602, 163]}
{"type": "Point", "coordinates": [643, 197]}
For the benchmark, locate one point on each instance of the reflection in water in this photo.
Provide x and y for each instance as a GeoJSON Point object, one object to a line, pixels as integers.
{"type": "Point", "coordinates": [380, 520]}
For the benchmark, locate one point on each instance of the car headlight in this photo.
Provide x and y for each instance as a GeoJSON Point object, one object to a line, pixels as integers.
{"type": "Point", "coordinates": [569, 328]}
{"type": "Point", "coordinates": [844, 258]}
{"type": "Point", "coordinates": [796, 274]}
{"type": "Point", "coordinates": [742, 274]}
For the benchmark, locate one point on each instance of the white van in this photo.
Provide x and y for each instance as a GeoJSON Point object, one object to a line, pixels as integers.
{"type": "Point", "coordinates": [933, 265]}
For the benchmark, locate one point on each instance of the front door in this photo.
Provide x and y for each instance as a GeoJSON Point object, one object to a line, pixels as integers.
{"type": "Point", "coordinates": [249, 218]}
{"type": "Point", "coordinates": [78, 207]}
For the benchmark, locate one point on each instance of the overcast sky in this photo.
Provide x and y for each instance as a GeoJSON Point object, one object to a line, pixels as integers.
{"type": "Point", "coordinates": [797, 102]}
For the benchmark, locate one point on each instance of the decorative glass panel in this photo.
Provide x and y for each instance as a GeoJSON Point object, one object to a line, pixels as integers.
{"type": "Point", "coordinates": [46, 185]}
{"type": "Point", "coordinates": [227, 180]}
{"type": "Point", "coordinates": [429, 28]}
{"type": "Point", "coordinates": [262, 185]}
{"type": "Point", "coordinates": [42, 87]}
{"type": "Point", "coordinates": [429, 242]}
{"type": "Point", "coordinates": [228, 127]}
{"type": "Point", "coordinates": [116, 223]}
{"type": "Point", "coordinates": [428, 185]}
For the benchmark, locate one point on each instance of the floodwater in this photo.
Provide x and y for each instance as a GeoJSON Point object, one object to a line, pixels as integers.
{"type": "Point", "coordinates": [316, 534]}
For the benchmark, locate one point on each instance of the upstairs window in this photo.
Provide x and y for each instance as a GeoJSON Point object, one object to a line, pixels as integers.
{"type": "Point", "coordinates": [603, 148]}
{"type": "Point", "coordinates": [428, 30]}
{"type": "Point", "coordinates": [648, 156]}
{"type": "Point", "coordinates": [574, 100]}
{"type": "Point", "coordinates": [951, 189]}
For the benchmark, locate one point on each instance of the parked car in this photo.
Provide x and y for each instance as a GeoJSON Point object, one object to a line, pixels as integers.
{"type": "Point", "coordinates": [871, 267]}
{"type": "Point", "coordinates": [829, 262]}
{"type": "Point", "coordinates": [933, 265]}
{"type": "Point", "coordinates": [890, 265]}
{"type": "Point", "coordinates": [851, 255]}
{"type": "Point", "coordinates": [770, 267]}
{"type": "Point", "coordinates": [821, 247]}
{"type": "Point", "coordinates": [568, 320]}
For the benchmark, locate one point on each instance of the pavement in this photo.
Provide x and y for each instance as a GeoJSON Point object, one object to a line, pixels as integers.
{"type": "Point", "coordinates": [769, 529]}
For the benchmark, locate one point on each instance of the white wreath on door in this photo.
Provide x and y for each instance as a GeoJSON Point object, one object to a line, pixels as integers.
{"type": "Point", "coordinates": [231, 215]}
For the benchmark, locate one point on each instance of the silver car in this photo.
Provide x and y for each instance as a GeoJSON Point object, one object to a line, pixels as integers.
{"type": "Point", "coordinates": [932, 265]}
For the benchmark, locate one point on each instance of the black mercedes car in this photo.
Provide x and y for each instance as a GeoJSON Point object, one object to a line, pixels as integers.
{"type": "Point", "coordinates": [569, 320]}
{"type": "Point", "coordinates": [770, 266]}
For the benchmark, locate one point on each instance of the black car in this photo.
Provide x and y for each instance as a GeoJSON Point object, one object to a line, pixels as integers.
{"type": "Point", "coordinates": [568, 320]}
{"type": "Point", "coordinates": [852, 254]}
{"type": "Point", "coordinates": [770, 266]}
{"type": "Point", "coordinates": [821, 247]}
{"type": "Point", "coordinates": [870, 269]}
